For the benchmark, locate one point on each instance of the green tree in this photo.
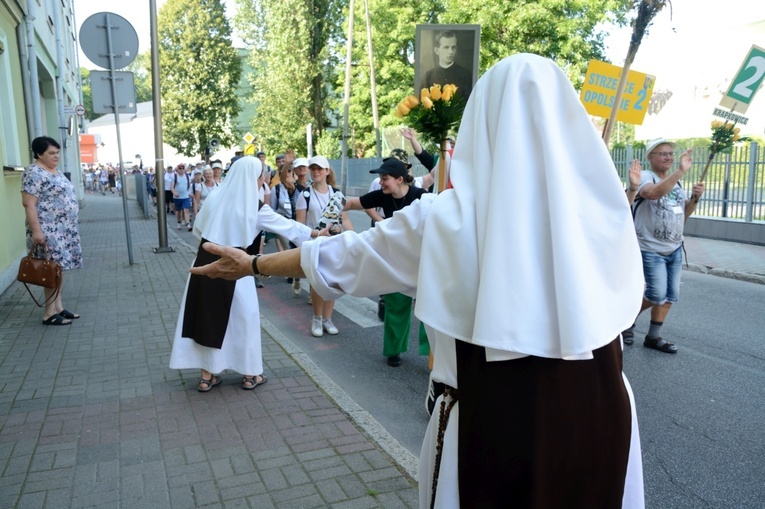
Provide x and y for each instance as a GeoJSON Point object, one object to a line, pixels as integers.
{"type": "Point", "coordinates": [567, 31]}
{"type": "Point", "coordinates": [87, 94]}
{"type": "Point", "coordinates": [291, 45]}
{"type": "Point", "coordinates": [200, 71]}
{"type": "Point", "coordinates": [141, 69]}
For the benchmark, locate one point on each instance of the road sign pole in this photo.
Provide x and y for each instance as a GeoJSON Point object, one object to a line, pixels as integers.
{"type": "Point", "coordinates": [115, 106]}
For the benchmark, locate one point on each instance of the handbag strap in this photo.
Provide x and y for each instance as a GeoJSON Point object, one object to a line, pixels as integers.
{"type": "Point", "coordinates": [34, 252]}
{"type": "Point", "coordinates": [46, 301]}
{"type": "Point", "coordinates": [46, 255]}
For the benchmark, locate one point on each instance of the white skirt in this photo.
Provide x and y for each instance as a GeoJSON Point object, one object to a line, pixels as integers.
{"type": "Point", "coordinates": [241, 350]}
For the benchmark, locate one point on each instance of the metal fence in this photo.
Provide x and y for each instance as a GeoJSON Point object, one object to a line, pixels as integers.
{"type": "Point", "coordinates": [734, 184]}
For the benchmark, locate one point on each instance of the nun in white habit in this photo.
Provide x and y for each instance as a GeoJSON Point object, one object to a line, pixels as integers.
{"type": "Point", "coordinates": [219, 322]}
{"type": "Point", "coordinates": [524, 290]}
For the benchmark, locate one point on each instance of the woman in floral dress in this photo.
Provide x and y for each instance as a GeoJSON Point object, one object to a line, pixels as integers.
{"type": "Point", "coordinates": [51, 211]}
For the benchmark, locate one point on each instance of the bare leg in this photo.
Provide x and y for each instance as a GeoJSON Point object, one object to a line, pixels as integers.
{"type": "Point", "coordinates": [326, 309]}
{"type": "Point", "coordinates": [317, 303]}
{"type": "Point", "coordinates": [53, 305]}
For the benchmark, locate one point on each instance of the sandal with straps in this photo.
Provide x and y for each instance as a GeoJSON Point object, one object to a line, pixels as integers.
{"type": "Point", "coordinates": [250, 382]}
{"type": "Point", "coordinates": [660, 344]}
{"type": "Point", "coordinates": [206, 384]}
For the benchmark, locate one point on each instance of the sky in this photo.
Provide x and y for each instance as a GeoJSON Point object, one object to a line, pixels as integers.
{"type": "Point", "coordinates": [135, 11]}
{"type": "Point", "coordinates": [699, 41]}
{"type": "Point", "coordinates": [695, 40]}
{"type": "Point", "coordinates": [688, 31]}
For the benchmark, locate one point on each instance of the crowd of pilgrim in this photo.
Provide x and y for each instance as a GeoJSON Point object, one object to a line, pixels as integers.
{"type": "Point", "coordinates": [526, 298]}
{"type": "Point", "coordinates": [523, 295]}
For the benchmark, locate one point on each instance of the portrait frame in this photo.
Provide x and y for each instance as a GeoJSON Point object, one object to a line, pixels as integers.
{"type": "Point", "coordinates": [468, 50]}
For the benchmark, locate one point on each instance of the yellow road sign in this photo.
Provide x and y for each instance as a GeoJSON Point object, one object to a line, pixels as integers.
{"type": "Point", "coordinates": [599, 91]}
{"type": "Point", "coordinates": [249, 149]}
{"type": "Point", "coordinates": [248, 138]}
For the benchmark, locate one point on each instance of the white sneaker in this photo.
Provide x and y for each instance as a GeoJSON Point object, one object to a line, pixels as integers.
{"type": "Point", "coordinates": [296, 286]}
{"type": "Point", "coordinates": [316, 329]}
{"type": "Point", "coordinates": [330, 327]}
{"type": "Point", "coordinates": [310, 301]}
{"type": "Point", "coordinates": [179, 226]}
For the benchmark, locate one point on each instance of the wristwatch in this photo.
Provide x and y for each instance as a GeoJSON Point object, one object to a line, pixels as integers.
{"type": "Point", "coordinates": [255, 265]}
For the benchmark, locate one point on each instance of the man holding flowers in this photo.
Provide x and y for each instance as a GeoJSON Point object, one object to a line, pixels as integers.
{"type": "Point", "coordinates": [660, 211]}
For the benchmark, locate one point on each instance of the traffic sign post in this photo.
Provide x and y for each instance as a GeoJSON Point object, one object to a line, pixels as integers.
{"type": "Point", "coordinates": [80, 110]}
{"type": "Point", "coordinates": [746, 82]}
{"type": "Point", "coordinates": [599, 91]}
{"type": "Point", "coordinates": [121, 41]}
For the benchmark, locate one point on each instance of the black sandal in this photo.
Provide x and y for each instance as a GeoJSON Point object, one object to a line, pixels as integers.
{"type": "Point", "coordinates": [56, 320]}
{"type": "Point", "coordinates": [659, 344]}
{"type": "Point", "coordinates": [628, 337]}
{"type": "Point", "coordinates": [209, 383]}
{"type": "Point", "coordinates": [69, 315]}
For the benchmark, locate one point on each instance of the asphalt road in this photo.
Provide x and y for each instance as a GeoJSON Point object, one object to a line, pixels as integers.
{"type": "Point", "coordinates": [701, 412]}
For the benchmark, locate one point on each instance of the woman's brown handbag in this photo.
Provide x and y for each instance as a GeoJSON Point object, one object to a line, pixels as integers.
{"type": "Point", "coordinates": [37, 271]}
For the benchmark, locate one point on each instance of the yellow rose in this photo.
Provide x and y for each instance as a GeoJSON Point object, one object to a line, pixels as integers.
{"type": "Point", "coordinates": [737, 130]}
{"type": "Point", "coordinates": [411, 101]}
{"type": "Point", "coordinates": [728, 126]}
{"type": "Point", "coordinates": [435, 92]}
{"type": "Point", "coordinates": [402, 109]}
{"type": "Point", "coordinates": [424, 93]}
{"type": "Point", "coordinates": [446, 94]}
{"type": "Point", "coordinates": [736, 137]}
{"type": "Point", "coordinates": [427, 103]}
{"type": "Point", "coordinates": [716, 124]}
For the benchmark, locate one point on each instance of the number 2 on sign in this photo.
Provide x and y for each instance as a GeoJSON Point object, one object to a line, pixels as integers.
{"type": "Point", "coordinates": [641, 97]}
{"type": "Point", "coordinates": [743, 89]}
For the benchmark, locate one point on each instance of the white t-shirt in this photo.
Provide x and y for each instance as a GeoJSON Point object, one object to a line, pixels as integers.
{"type": "Point", "coordinates": [316, 204]}
{"type": "Point", "coordinates": [263, 191]}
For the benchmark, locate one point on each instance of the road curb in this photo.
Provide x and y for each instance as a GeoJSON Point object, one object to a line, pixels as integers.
{"type": "Point", "coordinates": [730, 274]}
{"type": "Point", "coordinates": [398, 453]}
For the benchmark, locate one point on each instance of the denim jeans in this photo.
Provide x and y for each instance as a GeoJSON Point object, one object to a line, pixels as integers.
{"type": "Point", "coordinates": [662, 276]}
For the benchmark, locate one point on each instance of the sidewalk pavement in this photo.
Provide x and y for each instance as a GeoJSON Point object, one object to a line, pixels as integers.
{"type": "Point", "coordinates": [91, 416]}
{"type": "Point", "coordinates": [728, 259]}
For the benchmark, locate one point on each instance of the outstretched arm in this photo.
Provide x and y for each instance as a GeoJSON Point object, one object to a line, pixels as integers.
{"type": "Point", "coordinates": [235, 264]}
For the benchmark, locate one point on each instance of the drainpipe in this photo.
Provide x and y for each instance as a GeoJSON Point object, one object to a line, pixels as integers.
{"type": "Point", "coordinates": [21, 36]}
{"type": "Point", "coordinates": [63, 126]}
{"type": "Point", "coordinates": [34, 78]}
{"type": "Point", "coordinates": [83, 119]}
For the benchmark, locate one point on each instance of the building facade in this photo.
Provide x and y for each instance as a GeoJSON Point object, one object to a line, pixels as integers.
{"type": "Point", "coordinates": [39, 89]}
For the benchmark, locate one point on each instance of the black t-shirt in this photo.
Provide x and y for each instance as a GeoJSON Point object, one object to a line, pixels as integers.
{"type": "Point", "coordinates": [387, 202]}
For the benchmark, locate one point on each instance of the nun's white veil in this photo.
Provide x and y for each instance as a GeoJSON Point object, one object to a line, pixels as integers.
{"type": "Point", "coordinates": [534, 250]}
{"type": "Point", "coordinates": [230, 213]}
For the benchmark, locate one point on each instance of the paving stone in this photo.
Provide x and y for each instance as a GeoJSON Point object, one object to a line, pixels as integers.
{"type": "Point", "coordinates": [92, 417]}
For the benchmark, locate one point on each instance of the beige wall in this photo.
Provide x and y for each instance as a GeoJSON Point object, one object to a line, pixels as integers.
{"type": "Point", "coordinates": [14, 143]}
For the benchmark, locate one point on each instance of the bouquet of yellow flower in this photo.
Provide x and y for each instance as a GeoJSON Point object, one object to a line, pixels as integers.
{"type": "Point", "coordinates": [724, 136]}
{"type": "Point", "coordinates": [435, 113]}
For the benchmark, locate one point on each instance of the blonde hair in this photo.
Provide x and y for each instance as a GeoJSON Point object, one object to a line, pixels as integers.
{"type": "Point", "coordinates": [331, 181]}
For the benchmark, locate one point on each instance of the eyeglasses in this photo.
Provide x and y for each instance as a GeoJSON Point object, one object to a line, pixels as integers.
{"type": "Point", "coordinates": [665, 154]}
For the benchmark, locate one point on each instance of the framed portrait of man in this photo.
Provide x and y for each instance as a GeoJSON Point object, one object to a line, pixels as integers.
{"type": "Point", "coordinates": [446, 54]}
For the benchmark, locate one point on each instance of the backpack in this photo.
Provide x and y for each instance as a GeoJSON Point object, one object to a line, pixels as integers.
{"type": "Point", "coordinates": [307, 195]}
{"type": "Point", "coordinates": [175, 179]}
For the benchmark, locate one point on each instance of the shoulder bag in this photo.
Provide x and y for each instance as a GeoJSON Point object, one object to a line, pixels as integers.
{"type": "Point", "coordinates": [40, 270]}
